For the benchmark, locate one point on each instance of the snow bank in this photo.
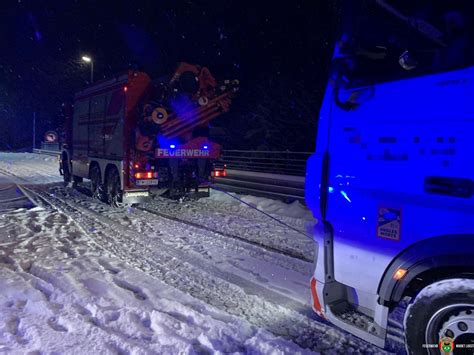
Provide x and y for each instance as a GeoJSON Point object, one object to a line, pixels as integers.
{"type": "Point", "coordinates": [30, 168]}
{"type": "Point", "coordinates": [294, 210]}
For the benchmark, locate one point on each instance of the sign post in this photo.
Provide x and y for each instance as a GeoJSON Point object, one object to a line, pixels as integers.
{"type": "Point", "coordinates": [34, 130]}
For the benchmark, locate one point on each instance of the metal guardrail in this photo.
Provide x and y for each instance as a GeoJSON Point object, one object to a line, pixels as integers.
{"type": "Point", "coordinates": [49, 146]}
{"type": "Point", "coordinates": [274, 162]}
{"type": "Point", "coordinates": [46, 152]}
{"type": "Point", "coordinates": [283, 187]}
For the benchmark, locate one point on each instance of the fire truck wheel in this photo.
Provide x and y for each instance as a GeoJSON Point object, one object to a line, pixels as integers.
{"type": "Point", "coordinates": [97, 188]}
{"type": "Point", "coordinates": [114, 194]}
{"type": "Point", "coordinates": [444, 311]}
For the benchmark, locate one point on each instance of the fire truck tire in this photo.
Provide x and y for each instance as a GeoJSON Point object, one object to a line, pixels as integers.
{"type": "Point", "coordinates": [97, 188]}
{"type": "Point", "coordinates": [442, 309]}
{"type": "Point", "coordinates": [114, 193]}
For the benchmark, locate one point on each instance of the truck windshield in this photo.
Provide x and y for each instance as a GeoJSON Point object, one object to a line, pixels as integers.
{"type": "Point", "coordinates": [385, 40]}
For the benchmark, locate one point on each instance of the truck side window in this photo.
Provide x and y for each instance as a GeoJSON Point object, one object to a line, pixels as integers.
{"type": "Point", "coordinates": [394, 40]}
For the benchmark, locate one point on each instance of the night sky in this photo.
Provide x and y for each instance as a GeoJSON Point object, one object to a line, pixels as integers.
{"type": "Point", "coordinates": [279, 51]}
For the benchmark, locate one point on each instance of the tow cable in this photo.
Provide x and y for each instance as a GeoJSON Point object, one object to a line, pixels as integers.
{"type": "Point", "coordinates": [262, 212]}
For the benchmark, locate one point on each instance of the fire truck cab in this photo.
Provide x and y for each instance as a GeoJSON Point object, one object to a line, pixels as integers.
{"type": "Point", "coordinates": [392, 179]}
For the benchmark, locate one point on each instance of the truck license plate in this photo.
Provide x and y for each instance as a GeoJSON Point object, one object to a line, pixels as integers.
{"type": "Point", "coordinates": [132, 194]}
{"type": "Point", "coordinates": [147, 182]}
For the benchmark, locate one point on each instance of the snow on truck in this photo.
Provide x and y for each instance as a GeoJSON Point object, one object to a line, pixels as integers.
{"type": "Point", "coordinates": [392, 179]}
{"type": "Point", "coordinates": [134, 137]}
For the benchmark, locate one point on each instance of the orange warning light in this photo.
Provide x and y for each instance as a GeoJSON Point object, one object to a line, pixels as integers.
{"type": "Point", "coordinates": [399, 274]}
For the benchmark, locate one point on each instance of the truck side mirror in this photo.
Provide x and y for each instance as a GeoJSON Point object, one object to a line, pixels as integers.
{"type": "Point", "coordinates": [351, 99]}
{"type": "Point", "coordinates": [407, 61]}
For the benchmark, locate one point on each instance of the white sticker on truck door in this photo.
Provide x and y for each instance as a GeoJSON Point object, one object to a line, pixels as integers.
{"type": "Point", "coordinates": [389, 223]}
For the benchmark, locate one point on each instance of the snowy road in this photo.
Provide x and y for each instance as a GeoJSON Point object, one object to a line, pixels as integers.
{"type": "Point", "coordinates": [196, 277]}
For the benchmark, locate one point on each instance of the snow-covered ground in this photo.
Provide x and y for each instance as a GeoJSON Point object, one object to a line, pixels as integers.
{"type": "Point", "coordinates": [29, 168]}
{"type": "Point", "coordinates": [62, 293]}
{"type": "Point", "coordinates": [207, 276]}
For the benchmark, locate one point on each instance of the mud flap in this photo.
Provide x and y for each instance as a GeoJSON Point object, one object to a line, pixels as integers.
{"type": "Point", "coordinates": [200, 192]}
{"type": "Point", "coordinates": [131, 197]}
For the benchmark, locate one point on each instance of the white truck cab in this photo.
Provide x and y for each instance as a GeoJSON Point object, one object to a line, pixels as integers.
{"type": "Point", "coordinates": [392, 179]}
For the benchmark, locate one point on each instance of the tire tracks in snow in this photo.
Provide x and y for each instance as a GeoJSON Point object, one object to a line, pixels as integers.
{"type": "Point", "coordinates": [226, 227]}
{"type": "Point", "coordinates": [192, 240]}
{"type": "Point", "coordinates": [132, 237]}
{"type": "Point", "coordinates": [12, 196]}
{"type": "Point", "coordinates": [289, 253]}
{"type": "Point", "coordinates": [235, 295]}
{"type": "Point", "coordinates": [10, 174]}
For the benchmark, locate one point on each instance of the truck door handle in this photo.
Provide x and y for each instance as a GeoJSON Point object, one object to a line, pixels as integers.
{"type": "Point", "coordinates": [457, 187]}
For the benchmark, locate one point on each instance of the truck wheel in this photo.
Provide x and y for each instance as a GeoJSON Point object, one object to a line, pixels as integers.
{"type": "Point", "coordinates": [444, 309]}
{"type": "Point", "coordinates": [114, 193]}
{"type": "Point", "coordinates": [97, 188]}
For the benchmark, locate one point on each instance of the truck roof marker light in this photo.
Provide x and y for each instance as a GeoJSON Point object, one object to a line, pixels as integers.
{"type": "Point", "coordinates": [399, 274]}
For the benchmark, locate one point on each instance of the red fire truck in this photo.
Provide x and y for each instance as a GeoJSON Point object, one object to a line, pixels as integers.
{"type": "Point", "coordinates": [133, 137]}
